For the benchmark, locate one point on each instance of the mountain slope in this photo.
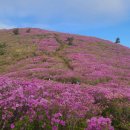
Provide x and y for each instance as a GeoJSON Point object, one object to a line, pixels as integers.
{"type": "Point", "coordinates": [58, 81]}
{"type": "Point", "coordinates": [50, 55]}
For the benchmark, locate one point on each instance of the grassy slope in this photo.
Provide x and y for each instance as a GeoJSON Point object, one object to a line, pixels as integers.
{"type": "Point", "coordinates": [48, 55]}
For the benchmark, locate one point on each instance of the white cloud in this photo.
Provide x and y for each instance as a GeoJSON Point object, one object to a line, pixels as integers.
{"type": "Point", "coordinates": [4, 26]}
{"type": "Point", "coordinates": [87, 12]}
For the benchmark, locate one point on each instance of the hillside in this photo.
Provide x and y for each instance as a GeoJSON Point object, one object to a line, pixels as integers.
{"type": "Point", "coordinates": [48, 55]}
{"type": "Point", "coordinates": [78, 76]}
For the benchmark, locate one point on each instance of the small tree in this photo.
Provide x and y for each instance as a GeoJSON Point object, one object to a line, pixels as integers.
{"type": "Point", "coordinates": [117, 40]}
{"type": "Point", "coordinates": [28, 30]}
{"type": "Point", "coordinates": [70, 40]}
{"type": "Point", "coordinates": [16, 31]}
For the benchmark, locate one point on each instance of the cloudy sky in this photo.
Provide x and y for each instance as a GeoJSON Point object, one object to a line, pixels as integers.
{"type": "Point", "coordinates": [106, 19]}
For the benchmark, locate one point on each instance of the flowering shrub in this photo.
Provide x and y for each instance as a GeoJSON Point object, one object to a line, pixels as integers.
{"type": "Point", "coordinates": [42, 103]}
{"type": "Point", "coordinates": [99, 124]}
{"type": "Point", "coordinates": [50, 105]}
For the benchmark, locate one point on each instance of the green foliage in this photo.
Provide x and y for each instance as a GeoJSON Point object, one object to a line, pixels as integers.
{"type": "Point", "coordinates": [12, 52]}
{"type": "Point", "coordinates": [74, 124]}
{"type": "Point", "coordinates": [67, 62]}
{"type": "Point", "coordinates": [119, 110]}
{"type": "Point", "coordinates": [97, 81]}
{"type": "Point", "coordinates": [73, 80]}
{"type": "Point", "coordinates": [2, 48]}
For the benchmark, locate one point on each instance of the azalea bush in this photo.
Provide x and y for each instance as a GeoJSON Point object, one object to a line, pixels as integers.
{"type": "Point", "coordinates": [99, 124]}
{"type": "Point", "coordinates": [50, 105]}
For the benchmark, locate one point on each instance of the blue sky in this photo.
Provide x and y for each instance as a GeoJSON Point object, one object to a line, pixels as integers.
{"type": "Point", "coordinates": [106, 19]}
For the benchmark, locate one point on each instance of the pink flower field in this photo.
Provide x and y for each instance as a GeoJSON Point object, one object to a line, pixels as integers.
{"type": "Point", "coordinates": [58, 81]}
